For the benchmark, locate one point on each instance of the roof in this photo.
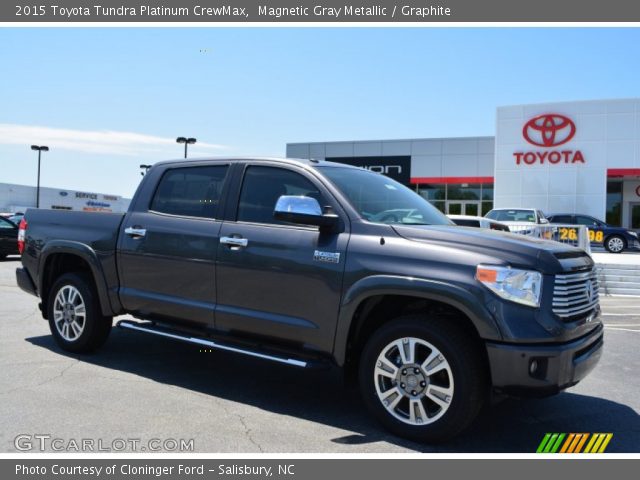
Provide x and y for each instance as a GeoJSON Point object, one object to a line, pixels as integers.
{"type": "Point", "coordinates": [286, 161]}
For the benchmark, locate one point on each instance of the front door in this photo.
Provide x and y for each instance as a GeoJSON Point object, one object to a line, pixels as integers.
{"type": "Point", "coordinates": [168, 248]}
{"type": "Point", "coordinates": [273, 279]}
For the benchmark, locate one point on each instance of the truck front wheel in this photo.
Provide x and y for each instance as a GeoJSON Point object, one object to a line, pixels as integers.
{"type": "Point", "coordinates": [75, 319]}
{"type": "Point", "coordinates": [423, 379]}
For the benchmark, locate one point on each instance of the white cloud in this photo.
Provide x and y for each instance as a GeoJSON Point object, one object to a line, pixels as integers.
{"type": "Point", "coordinates": [95, 141]}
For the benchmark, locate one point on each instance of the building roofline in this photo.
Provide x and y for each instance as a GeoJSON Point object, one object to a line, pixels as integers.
{"type": "Point", "coordinates": [478, 137]}
{"type": "Point", "coordinates": [565, 102]}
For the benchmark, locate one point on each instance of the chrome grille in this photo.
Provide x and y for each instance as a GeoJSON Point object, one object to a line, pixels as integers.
{"type": "Point", "coordinates": [575, 294]}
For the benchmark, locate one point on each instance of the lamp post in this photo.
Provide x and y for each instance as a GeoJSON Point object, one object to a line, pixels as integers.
{"type": "Point", "coordinates": [145, 168]}
{"type": "Point", "coordinates": [186, 141]}
{"type": "Point", "coordinates": [39, 149]}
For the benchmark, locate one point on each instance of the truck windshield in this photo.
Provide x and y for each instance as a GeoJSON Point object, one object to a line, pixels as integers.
{"type": "Point", "coordinates": [380, 199]}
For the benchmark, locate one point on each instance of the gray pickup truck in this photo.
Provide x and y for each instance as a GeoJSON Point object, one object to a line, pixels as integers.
{"type": "Point", "coordinates": [312, 263]}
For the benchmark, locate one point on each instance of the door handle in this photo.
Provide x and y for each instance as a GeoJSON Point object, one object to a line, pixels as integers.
{"type": "Point", "coordinates": [135, 232]}
{"type": "Point", "coordinates": [234, 242]}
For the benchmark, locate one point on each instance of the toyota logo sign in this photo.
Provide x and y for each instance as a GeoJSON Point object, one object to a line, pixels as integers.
{"type": "Point", "coordinates": [549, 130]}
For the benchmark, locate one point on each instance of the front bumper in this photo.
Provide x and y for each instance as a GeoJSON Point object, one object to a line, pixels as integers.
{"type": "Point", "coordinates": [540, 370]}
{"type": "Point", "coordinates": [24, 281]}
{"type": "Point", "coordinates": [633, 244]}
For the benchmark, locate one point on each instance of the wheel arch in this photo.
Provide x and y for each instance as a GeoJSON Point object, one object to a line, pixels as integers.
{"type": "Point", "coordinates": [59, 257]}
{"type": "Point", "coordinates": [413, 294]}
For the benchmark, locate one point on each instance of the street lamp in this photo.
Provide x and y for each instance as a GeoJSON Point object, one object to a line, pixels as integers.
{"type": "Point", "coordinates": [186, 141]}
{"type": "Point", "coordinates": [145, 168]}
{"type": "Point", "coordinates": [39, 149]}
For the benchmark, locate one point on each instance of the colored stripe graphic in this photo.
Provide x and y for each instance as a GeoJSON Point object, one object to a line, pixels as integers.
{"type": "Point", "coordinates": [543, 443]}
{"type": "Point", "coordinates": [582, 442]}
{"type": "Point", "coordinates": [574, 443]}
{"type": "Point", "coordinates": [604, 445]}
{"type": "Point", "coordinates": [567, 443]}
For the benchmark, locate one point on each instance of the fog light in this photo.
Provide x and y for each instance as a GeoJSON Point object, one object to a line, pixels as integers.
{"type": "Point", "coordinates": [533, 367]}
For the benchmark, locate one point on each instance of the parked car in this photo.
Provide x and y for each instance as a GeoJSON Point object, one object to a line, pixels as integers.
{"type": "Point", "coordinates": [8, 238]}
{"type": "Point", "coordinates": [614, 239]}
{"type": "Point", "coordinates": [525, 221]}
{"type": "Point", "coordinates": [478, 222]}
{"type": "Point", "coordinates": [284, 261]}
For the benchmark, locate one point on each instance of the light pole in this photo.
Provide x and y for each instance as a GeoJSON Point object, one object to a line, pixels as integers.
{"type": "Point", "coordinates": [145, 168]}
{"type": "Point", "coordinates": [39, 149]}
{"type": "Point", "coordinates": [186, 141]}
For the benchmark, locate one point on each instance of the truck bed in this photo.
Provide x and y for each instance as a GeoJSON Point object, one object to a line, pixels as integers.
{"type": "Point", "coordinates": [52, 229]}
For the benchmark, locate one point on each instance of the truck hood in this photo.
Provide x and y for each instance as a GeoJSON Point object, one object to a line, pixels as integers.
{"type": "Point", "coordinates": [516, 250]}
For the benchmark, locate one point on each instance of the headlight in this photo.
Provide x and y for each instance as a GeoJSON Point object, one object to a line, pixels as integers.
{"type": "Point", "coordinates": [520, 286]}
{"type": "Point", "coordinates": [633, 233]}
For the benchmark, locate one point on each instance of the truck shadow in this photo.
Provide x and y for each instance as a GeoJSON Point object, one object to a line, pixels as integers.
{"type": "Point", "coordinates": [513, 425]}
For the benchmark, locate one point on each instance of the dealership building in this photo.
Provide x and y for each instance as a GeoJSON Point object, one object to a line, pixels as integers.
{"type": "Point", "coordinates": [17, 198]}
{"type": "Point", "coordinates": [568, 157]}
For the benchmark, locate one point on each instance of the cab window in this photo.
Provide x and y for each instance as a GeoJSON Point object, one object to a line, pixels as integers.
{"type": "Point", "coordinates": [190, 191]}
{"type": "Point", "coordinates": [261, 188]}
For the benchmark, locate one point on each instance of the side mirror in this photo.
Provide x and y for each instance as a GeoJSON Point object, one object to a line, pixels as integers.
{"type": "Point", "coordinates": [544, 221]}
{"type": "Point", "coordinates": [305, 211]}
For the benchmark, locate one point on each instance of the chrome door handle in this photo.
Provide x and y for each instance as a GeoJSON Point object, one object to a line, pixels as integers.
{"type": "Point", "coordinates": [135, 232]}
{"type": "Point", "coordinates": [234, 242]}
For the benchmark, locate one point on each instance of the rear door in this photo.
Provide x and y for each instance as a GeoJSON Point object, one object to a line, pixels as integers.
{"type": "Point", "coordinates": [277, 279]}
{"type": "Point", "coordinates": [167, 250]}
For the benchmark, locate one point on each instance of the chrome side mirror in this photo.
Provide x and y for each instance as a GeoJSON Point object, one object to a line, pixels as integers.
{"type": "Point", "coordinates": [303, 210]}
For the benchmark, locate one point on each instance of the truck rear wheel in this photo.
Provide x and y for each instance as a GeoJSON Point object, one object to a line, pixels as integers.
{"type": "Point", "coordinates": [75, 319]}
{"type": "Point", "coordinates": [423, 379]}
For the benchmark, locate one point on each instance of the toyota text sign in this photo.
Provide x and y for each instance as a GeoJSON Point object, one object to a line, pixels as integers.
{"type": "Point", "coordinates": [548, 131]}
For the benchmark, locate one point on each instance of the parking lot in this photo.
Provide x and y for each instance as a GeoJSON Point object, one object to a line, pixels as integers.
{"type": "Point", "coordinates": [142, 387]}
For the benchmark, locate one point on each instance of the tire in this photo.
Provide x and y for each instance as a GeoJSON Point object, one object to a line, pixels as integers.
{"type": "Point", "coordinates": [615, 244]}
{"type": "Point", "coordinates": [81, 335]}
{"type": "Point", "coordinates": [459, 384]}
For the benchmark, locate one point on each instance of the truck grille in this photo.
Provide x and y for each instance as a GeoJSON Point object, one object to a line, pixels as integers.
{"type": "Point", "coordinates": [575, 294]}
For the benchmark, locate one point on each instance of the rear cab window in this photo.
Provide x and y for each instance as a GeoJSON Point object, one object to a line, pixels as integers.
{"type": "Point", "coordinates": [190, 191]}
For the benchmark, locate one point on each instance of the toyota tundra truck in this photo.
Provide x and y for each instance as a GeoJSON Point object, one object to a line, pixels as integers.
{"type": "Point", "coordinates": [297, 262]}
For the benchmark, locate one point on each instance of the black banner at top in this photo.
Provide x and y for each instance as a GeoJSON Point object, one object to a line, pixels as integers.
{"type": "Point", "coordinates": [330, 11]}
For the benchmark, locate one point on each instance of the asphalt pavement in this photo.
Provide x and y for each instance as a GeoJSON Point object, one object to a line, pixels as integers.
{"type": "Point", "coordinates": [139, 388]}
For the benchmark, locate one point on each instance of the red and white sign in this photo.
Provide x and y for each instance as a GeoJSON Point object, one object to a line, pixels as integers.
{"type": "Point", "coordinates": [548, 131]}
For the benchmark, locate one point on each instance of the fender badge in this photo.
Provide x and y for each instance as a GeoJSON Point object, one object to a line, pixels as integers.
{"type": "Point", "coordinates": [329, 257]}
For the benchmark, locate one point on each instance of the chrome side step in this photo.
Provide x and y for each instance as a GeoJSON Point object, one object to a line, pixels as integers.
{"type": "Point", "coordinates": [149, 328]}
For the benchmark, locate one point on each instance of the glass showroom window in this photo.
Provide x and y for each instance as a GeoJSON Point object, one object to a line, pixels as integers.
{"type": "Point", "coordinates": [463, 191]}
{"type": "Point", "coordinates": [435, 193]}
{"type": "Point", "coordinates": [614, 203]}
{"type": "Point", "coordinates": [440, 194]}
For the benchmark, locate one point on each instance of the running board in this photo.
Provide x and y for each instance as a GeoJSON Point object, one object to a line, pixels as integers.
{"type": "Point", "coordinates": [150, 328]}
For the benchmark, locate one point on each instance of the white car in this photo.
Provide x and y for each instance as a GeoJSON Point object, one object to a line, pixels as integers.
{"type": "Point", "coordinates": [478, 222]}
{"type": "Point", "coordinates": [525, 221]}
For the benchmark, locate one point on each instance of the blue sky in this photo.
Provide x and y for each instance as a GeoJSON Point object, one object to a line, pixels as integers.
{"type": "Point", "coordinates": [108, 99]}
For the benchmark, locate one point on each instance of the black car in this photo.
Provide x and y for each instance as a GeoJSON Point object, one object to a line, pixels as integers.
{"type": "Point", "coordinates": [614, 239]}
{"type": "Point", "coordinates": [8, 238]}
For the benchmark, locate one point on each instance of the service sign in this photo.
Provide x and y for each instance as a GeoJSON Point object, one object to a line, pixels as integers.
{"type": "Point", "coordinates": [549, 132]}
